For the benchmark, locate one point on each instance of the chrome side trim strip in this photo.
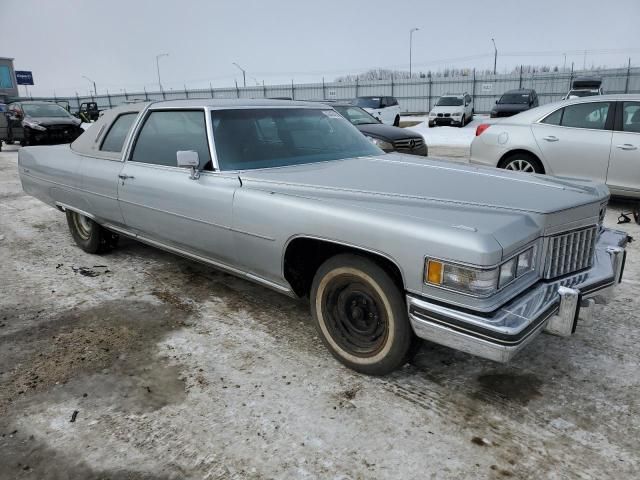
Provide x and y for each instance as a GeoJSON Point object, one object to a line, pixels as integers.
{"type": "Point", "coordinates": [74, 209]}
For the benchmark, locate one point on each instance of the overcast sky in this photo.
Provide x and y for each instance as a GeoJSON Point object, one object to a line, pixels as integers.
{"type": "Point", "coordinates": [115, 42]}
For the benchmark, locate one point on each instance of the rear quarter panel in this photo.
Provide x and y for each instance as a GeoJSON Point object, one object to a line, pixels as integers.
{"type": "Point", "coordinates": [51, 174]}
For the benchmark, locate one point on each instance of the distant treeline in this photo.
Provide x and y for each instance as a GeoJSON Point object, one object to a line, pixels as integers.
{"type": "Point", "coordinates": [386, 74]}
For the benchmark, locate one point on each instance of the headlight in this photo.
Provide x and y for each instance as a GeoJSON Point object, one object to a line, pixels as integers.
{"type": "Point", "coordinates": [479, 282]}
{"type": "Point", "coordinates": [456, 114]}
{"type": "Point", "coordinates": [431, 114]}
{"type": "Point", "coordinates": [380, 143]}
{"type": "Point", "coordinates": [33, 124]}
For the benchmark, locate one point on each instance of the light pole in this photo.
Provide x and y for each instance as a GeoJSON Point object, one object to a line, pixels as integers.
{"type": "Point", "coordinates": [158, 67]}
{"type": "Point", "coordinates": [244, 74]}
{"type": "Point", "coordinates": [415, 29]}
{"type": "Point", "coordinates": [495, 56]}
{"type": "Point", "coordinates": [95, 90]}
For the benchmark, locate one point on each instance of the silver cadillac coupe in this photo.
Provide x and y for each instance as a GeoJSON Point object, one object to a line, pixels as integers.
{"type": "Point", "coordinates": [388, 247]}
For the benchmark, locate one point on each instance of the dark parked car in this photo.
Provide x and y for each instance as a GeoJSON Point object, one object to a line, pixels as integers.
{"type": "Point", "coordinates": [515, 101]}
{"type": "Point", "coordinates": [88, 112]}
{"type": "Point", "coordinates": [32, 123]}
{"type": "Point", "coordinates": [388, 138]}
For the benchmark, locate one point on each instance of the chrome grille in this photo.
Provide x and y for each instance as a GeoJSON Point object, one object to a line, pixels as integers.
{"type": "Point", "coordinates": [569, 252]}
{"type": "Point", "coordinates": [408, 143]}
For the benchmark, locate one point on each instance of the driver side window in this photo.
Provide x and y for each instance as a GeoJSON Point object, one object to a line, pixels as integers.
{"type": "Point", "coordinates": [166, 132]}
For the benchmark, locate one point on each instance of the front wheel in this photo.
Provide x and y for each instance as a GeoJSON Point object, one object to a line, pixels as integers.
{"type": "Point", "coordinates": [360, 314]}
{"type": "Point", "coordinates": [88, 235]}
{"type": "Point", "coordinates": [396, 121]}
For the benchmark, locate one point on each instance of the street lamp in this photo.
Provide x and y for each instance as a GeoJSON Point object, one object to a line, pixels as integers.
{"type": "Point", "coordinates": [244, 74]}
{"type": "Point", "coordinates": [415, 29]}
{"type": "Point", "coordinates": [495, 56]}
{"type": "Point", "coordinates": [158, 67]}
{"type": "Point", "coordinates": [95, 90]}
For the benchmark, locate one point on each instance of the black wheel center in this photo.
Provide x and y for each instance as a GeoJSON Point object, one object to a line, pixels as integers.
{"type": "Point", "coordinates": [355, 317]}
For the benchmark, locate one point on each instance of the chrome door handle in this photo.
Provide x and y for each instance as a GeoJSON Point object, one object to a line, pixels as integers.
{"type": "Point", "coordinates": [550, 138]}
{"type": "Point", "coordinates": [626, 146]}
{"type": "Point", "coordinates": [124, 177]}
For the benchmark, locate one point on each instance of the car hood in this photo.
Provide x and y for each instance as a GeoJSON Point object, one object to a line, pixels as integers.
{"type": "Point", "coordinates": [386, 132]}
{"type": "Point", "coordinates": [397, 176]}
{"type": "Point", "coordinates": [510, 107]}
{"type": "Point", "coordinates": [427, 197]}
{"type": "Point", "coordinates": [44, 121]}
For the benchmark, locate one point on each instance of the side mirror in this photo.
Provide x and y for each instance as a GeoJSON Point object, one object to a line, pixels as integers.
{"type": "Point", "coordinates": [189, 159]}
{"type": "Point", "coordinates": [497, 102]}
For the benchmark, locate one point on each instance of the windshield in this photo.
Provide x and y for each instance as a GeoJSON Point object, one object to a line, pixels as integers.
{"type": "Point", "coordinates": [275, 137]}
{"type": "Point", "coordinates": [367, 102]}
{"type": "Point", "coordinates": [449, 102]}
{"type": "Point", "coordinates": [44, 110]}
{"type": "Point", "coordinates": [511, 98]}
{"type": "Point", "coordinates": [583, 93]}
{"type": "Point", "coordinates": [356, 115]}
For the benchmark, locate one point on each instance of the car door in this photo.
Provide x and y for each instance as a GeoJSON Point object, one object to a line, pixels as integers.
{"type": "Point", "coordinates": [575, 140]}
{"type": "Point", "coordinates": [623, 176]}
{"type": "Point", "coordinates": [162, 202]}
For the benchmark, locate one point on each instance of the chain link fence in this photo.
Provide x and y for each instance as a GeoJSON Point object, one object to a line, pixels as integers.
{"type": "Point", "coordinates": [416, 95]}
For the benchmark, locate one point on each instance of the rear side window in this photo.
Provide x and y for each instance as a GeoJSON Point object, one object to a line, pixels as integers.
{"type": "Point", "coordinates": [166, 132]}
{"type": "Point", "coordinates": [118, 132]}
{"type": "Point", "coordinates": [631, 117]}
{"type": "Point", "coordinates": [554, 118]}
{"type": "Point", "coordinates": [586, 115]}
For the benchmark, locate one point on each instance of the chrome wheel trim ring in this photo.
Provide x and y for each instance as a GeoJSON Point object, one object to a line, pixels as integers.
{"type": "Point", "coordinates": [83, 225]}
{"type": "Point", "coordinates": [520, 165]}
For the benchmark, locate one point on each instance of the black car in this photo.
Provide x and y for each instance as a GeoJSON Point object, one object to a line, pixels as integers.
{"type": "Point", "coordinates": [515, 101]}
{"type": "Point", "coordinates": [32, 123]}
{"type": "Point", "coordinates": [388, 138]}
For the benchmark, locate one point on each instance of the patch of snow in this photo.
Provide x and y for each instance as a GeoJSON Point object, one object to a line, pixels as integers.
{"type": "Point", "coordinates": [448, 136]}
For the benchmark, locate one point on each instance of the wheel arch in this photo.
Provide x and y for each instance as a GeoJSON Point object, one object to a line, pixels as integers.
{"type": "Point", "coordinates": [303, 255]}
{"type": "Point", "coordinates": [523, 150]}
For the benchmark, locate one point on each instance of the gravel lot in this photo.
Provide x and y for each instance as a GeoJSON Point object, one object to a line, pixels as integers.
{"type": "Point", "coordinates": [140, 364]}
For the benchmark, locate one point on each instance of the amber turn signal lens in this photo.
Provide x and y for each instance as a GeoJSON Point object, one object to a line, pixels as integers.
{"type": "Point", "coordinates": [434, 272]}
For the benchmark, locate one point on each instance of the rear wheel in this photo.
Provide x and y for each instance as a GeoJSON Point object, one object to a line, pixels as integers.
{"type": "Point", "coordinates": [88, 235]}
{"type": "Point", "coordinates": [360, 315]}
{"type": "Point", "coordinates": [522, 162]}
{"type": "Point", "coordinates": [396, 121]}
{"type": "Point", "coordinates": [462, 122]}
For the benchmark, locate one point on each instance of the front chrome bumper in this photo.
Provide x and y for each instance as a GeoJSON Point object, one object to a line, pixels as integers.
{"type": "Point", "coordinates": [553, 307]}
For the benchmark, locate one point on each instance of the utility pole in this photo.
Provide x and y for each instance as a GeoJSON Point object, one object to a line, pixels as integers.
{"type": "Point", "coordinates": [495, 56]}
{"type": "Point", "coordinates": [95, 90]}
{"type": "Point", "coordinates": [415, 29]}
{"type": "Point", "coordinates": [244, 74]}
{"type": "Point", "coordinates": [158, 68]}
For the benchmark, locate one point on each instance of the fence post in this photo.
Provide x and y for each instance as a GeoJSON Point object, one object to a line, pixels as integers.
{"type": "Point", "coordinates": [392, 93]}
{"type": "Point", "coordinates": [520, 84]}
{"type": "Point", "coordinates": [109, 99]}
{"type": "Point", "coordinates": [186, 92]}
{"type": "Point", "coordinates": [473, 89]}
{"type": "Point", "coordinates": [429, 95]}
{"type": "Point", "coordinates": [570, 78]}
{"type": "Point", "coordinates": [324, 95]}
{"type": "Point", "coordinates": [211, 89]}
{"type": "Point", "coordinates": [293, 91]}
{"type": "Point", "coordinates": [78, 101]}
{"type": "Point", "coordinates": [626, 86]}
{"type": "Point", "coordinates": [264, 90]}
{"type": "Point", "coordinates": [146, 97]}
{"type": "Point", "coordinates": [237, 90]}
{"type": "Point", "coordinates": [356, 87]}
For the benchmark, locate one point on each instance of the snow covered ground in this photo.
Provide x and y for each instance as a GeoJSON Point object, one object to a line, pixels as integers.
{"type": "Point", "coordinates": [447, 141]}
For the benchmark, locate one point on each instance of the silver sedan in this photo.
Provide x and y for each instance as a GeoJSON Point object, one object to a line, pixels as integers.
{"type": "Point", "coordinates": [596, 138]}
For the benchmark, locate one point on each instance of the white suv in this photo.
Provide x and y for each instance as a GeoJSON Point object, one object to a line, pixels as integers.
{"type": "Point", "coordinates": [385, 109]}
{"type": "Point", "coordinates": [452, 109]}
